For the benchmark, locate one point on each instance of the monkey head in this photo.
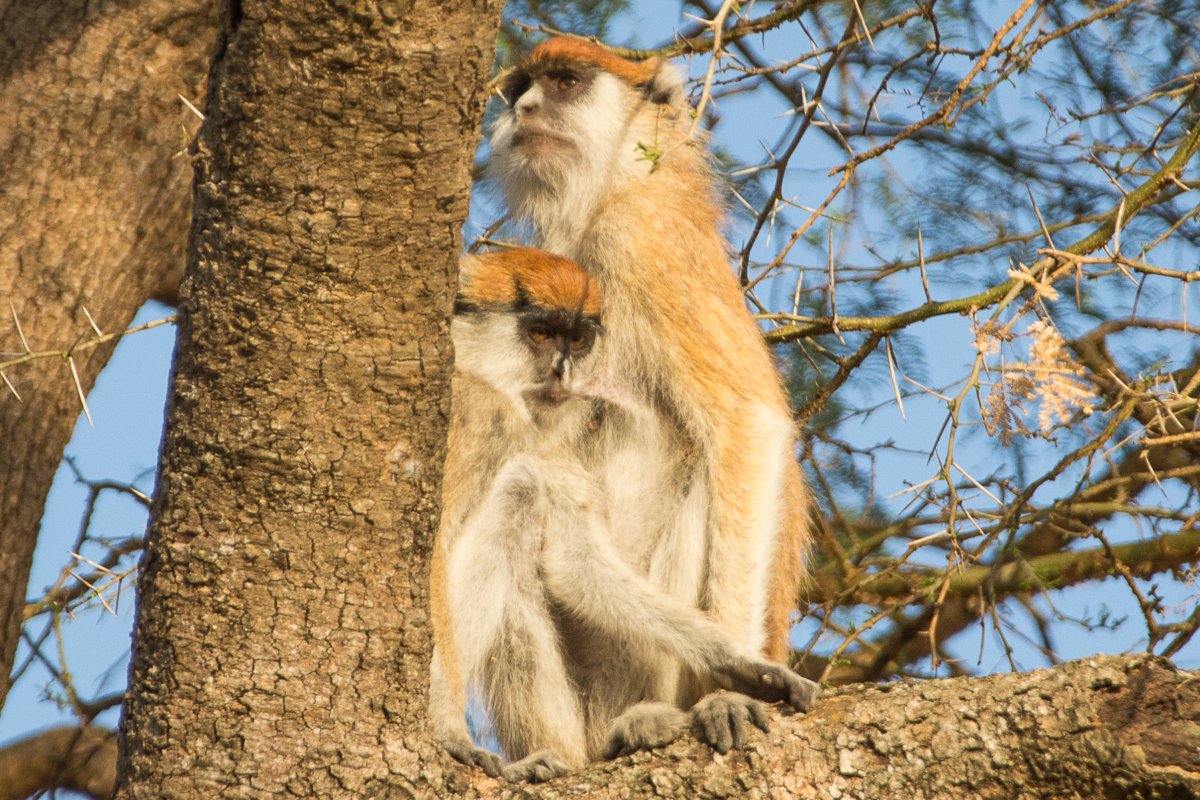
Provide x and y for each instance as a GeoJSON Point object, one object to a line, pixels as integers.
{"type": "Point", "coordinates": [570, 112]}
{"type": "Point", "coordinates": [528, 323]}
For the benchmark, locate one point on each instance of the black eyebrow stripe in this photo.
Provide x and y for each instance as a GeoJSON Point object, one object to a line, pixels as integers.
{"type": "Point", "coordinates": [522, 300]}
{"type": "Point", "coordinates": [464, 306]}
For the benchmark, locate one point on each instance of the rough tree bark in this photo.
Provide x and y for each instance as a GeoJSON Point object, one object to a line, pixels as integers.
{"type": "Point", "coordinates": [281, 646]}
{"type": "Point", "coordinates": [94, 209]}
{"type": "Point", "coordinates": [1118, 728]}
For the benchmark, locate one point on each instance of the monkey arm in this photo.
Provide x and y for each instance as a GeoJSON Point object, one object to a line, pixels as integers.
{"type": "Point", "coordinates": [758, 529]}
{"type": "Point", "coordinates": [675, 315]}
{"type": "Point", "coordinates": [586, 577]}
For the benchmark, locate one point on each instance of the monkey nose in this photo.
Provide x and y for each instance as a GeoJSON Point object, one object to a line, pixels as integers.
{"type": "Point", "coordinates": [562, 367]}
{"type": "Point", "coordinates": [529, 104]}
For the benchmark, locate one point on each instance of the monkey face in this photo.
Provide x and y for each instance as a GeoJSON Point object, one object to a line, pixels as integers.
{"type": "Point", "coordinates": [578, 120]}
{"type": "Point", "coordinates": [561, 348]}
{"type": "Point", "coordinates": [534, 357]}
{"type": "Point", "coordinates": [540, 99]}
{"type": "Point", "coordinates": [558, 118]}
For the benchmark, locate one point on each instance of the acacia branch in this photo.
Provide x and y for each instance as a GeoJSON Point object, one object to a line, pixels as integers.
{"type": "Point", "coordinates": [1056, 570]}
{"type": "Point", "coordinates": [1132, 203]}
{"type": "Point", "coordinates": [86, 344]}
{"type": "Point", "coordinates": [64, 595]}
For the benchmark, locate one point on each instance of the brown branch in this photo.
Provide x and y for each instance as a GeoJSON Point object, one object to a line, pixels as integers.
{"type": "Point", "coordinates": [1102, 727]}
{"type": "Point", "coordinates": [65, 595]}
{"type": "Point", "coordinates": [846, 366]}
{"type": "Point", "coordinates": [80, 759]}
{"type": "Point", "coordinates": [781, 163]}
{"type": "Point", "coordinates": [943, 113]}
{"type": "Point", "coordinates": [1144, 559]}
{"type": "Point", "coordinates": [86, 344]}
{"type": "Point", "coordinates": [687, 45]}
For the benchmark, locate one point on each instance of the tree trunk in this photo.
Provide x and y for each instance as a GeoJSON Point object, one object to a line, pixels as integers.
{"type": "Point", "coordinates": [282, 645]}
{"type": "Point", "coordinates": [94, 207]}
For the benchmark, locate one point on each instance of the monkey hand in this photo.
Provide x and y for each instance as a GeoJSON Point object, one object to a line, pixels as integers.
{"type": "Point", "coordinates": [766, 680]}
{"type": "Point", "coordinates": [536, 767]}
{"type": "Point", "coordinates": [473, 756]}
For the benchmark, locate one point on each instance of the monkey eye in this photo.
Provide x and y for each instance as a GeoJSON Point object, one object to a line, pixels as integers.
{"type": "Point", "coordinates": [539, 334]}
{"type": "Point", "coordinates": [567, 81]}
{"type": "Point", "coordinates": [580, 341]}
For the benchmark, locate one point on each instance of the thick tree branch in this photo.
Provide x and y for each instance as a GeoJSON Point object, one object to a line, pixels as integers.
{"type": "Point", "coordinates": [1112, 726]}
{"type": "Point", "coordinates": [1103, 727]}
{"type": "Point", "coordinates": [82, 759]}
{"type": "Point", "coordinates": [94, 206]}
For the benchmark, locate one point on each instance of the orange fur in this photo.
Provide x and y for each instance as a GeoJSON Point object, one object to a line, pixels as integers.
{"type": "Point", "coordinates": [718, 365]}
{"type": "Point", "coordinates": [788, 566]}
{"type": "Point", "coordinates": [455, 480]}
{"type": "Point", "coordinates": [573, 49]}
{"type": "Point", "coordinates": [507, 277]}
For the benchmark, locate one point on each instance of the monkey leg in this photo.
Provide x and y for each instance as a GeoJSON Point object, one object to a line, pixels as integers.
{"type": "Point", "coordinates": [597, 589]}
{"type": "Point", "coordinates": [447, 712]}
{"type": "Point", "coordinates": [533, 705]}
{"type": "Point", "coordinates": [505, 630]}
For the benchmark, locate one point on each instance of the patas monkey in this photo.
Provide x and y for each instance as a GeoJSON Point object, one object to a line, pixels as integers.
{"type": "Point", "coordinates": [528, 590]}
{"type": "Point", "coordinates": [593, 154]}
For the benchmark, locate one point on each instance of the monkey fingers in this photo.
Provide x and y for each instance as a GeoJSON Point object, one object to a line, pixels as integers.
{"type": "Point", "coordinates": [722, 720]}
{"type": "Point", "coordinates": [473, 756]}
{"type": "Point", "coordinates": [771, 682]}
{"type": "Point", "coordinates": [536, 767]}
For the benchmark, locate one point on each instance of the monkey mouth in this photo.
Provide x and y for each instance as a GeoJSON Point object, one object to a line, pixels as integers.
{"type": "Point", "coordinates": [553, 395]}
{"type": "Point", "coordinates": [539, 138]}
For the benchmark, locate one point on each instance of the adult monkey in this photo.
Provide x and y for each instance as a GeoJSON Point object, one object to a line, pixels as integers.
{"type": "Point", "coordinates": [595, 154]}
{"type": "Point", "coordinates": [526, 582]}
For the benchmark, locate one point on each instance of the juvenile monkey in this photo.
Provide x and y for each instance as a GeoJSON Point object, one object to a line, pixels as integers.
{"type": "Point", "coordinates": [527, 586]}
{"type": "Point", "coordinates": [594, 154]}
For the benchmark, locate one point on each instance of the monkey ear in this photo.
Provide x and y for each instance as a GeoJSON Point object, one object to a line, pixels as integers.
{"type": "Point", "coordinates": [666, 87]}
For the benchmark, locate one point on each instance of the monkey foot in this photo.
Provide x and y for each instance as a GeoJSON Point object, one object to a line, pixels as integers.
{"type": "Point", "coordinates": [723, 720]}
{"type": "Point", "coordinates": [536, 768]}
{"type": "Point", "coordinates": [773, 683]}
{"type": "Point", "coordinates": [473, 756]}
{"type": "Point", "coordinates": [645, 726]}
